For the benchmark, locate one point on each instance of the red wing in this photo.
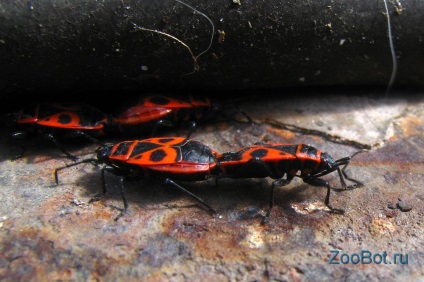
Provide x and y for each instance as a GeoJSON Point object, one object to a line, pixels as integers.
{"type": "Point", "coordinates": [121, 151]}
{"type": "Point", "coordinates": [266, 154]}
{"type": "Point", "coordinates": [165, 102]}
{"type": "Point", "coordinates": [157, 156]}
{"type": "Point", "coordinates": [69, 120]}
{"type": "Point", "coordinates": [141, 114]}
{"type": "Point", "coordinates": [148, 151]}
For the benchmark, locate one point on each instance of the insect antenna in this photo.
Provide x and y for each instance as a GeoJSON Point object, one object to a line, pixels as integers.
{"type": "Point", "coordinates": [191, 130]}
{"type": "Point", "coordinates": [342, 173]}
{"type": "Point", "coordinates": [337, 164]}
{"type": "Point", "coordinates": [91, 160]}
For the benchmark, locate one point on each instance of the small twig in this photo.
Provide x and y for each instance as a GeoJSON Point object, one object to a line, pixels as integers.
{"type": "Point", "coordinates": [170, 36]}
{"type": "Point", "coordinates": [213, 27]}
{"type": "Point", "coordinates": [392, 50]}
{"type": "Point", "coordinates": [195, 63]}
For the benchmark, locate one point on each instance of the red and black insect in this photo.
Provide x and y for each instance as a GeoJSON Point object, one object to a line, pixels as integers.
{"type": "Point", "coordinates": [166, 159]}
{"type": "Point", "coordinates": [54, 121]}
{"type": "Point", "coordinates": [148, 113]}
{"type": "Point", "coordinates": [278, 160]}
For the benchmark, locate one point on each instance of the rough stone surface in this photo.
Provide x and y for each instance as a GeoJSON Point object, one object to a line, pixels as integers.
{"type": "Point", "coordinates": [50, 232]}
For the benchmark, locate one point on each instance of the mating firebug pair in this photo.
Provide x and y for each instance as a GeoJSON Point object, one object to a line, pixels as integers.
{"type": "Point", "coordinates": [171, 159]}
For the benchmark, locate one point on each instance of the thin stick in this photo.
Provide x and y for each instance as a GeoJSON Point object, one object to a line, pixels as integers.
{"type": "Point", "coordinates": [168, 35]}
{"type": "Point", "coordinates": [392, 50]}
{"type": "Point", "coordinates": [195, 63]}
{"type": "Point", "coordinates": [213, 27]}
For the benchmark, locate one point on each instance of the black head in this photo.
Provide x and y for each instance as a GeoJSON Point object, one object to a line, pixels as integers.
{"type": "Point", "coordinates": [104, 152]}
{"type": "Point", "coordinates": [328, 165]}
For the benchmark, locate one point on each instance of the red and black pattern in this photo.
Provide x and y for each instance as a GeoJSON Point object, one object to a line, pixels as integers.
{"type": "Point", "coordinates": [278, 160]}
{"type": "Point", "coordinates": [54, 121]}
{"type": "Point", "coordinates": [175, 158]}
{"type": "Point", "coordinates": [61, 115]}
{"type": "Point", "coordinates": [149, 112]}
{"type": "Point", "coordinates": [166, 159]}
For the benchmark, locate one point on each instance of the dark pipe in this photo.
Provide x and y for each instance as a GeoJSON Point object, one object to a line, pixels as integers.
{"type": "Point", "coordinates": [68, 48]}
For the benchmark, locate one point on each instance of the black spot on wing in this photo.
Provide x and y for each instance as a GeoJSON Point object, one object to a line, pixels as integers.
{"type": "Point", "coordinates": [158, 155]}
{"type": "Point", "coordinates": [165, 140]}
{"type": "Point", "coordinates": [259, 153]}
{"type": "Point", "coordinates": [64, 119]}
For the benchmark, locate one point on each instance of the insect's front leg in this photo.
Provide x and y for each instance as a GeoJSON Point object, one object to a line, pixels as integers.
{"type": "Point", "coordinates": [318, 182]}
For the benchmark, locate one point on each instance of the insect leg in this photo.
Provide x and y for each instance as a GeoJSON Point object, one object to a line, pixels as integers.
{"type": "Point", "coordinates": [343, 170]}
{"type": "Point", "coordinates": [314, 181]}
{"type": "Point", "coordinates": [342, 178]}
{"type": "Point", "coordinates": [278, 182]}
{"type": "Point", "coordinates": [169, 181]}
{"type": "Point", "coordinates": [52, 138]}
{"type": "Point", "coordinates": [110, 169]}
{"type": "Point", "coordinates": [114, 171]}
{"type": "Point", "coordinates": [88, 137]}
{"type": "Point", "coordinates": [124, 199]}
{"type": "Point", "coordinates": [20, 135]}
{"type": "Point", "coordinates": [98, 196]}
